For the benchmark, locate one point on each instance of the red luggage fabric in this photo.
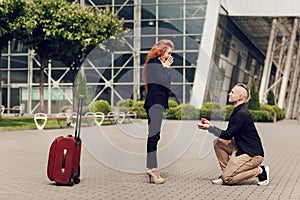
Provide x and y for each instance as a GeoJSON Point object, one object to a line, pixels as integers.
{"type": "Point", "coordinates": [64, 156]}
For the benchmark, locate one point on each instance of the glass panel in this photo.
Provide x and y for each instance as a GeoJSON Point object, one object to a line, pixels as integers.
{"type": "Point", "coordinates": [191, 59]}
{"type": "Point", "coordinates": [105, 95]}
{"type": "Point", "coordinates": [128, 25]}
{"type": "Point", "coordinates": [170, 26]}
{"type": "Point", "coordinates": [4, 50]}
{"type": "Point", "coordinates": [177, 91]}
{"type": "Point", "coordinates": [17, 47]}
{"type": "Point", "coordinates": [196, 1]}
{"type": "Point", "coordinates": [170, 1]}
{"type": "Point", "coordinates": [193, 42]}
{"type": "Point", "coordinates": [4, 77]}
{"type": "Point", "coordinates": [148, 1]}
{"type": "Point", "coordinates": [19, 76]}
{"type": "Point", "coordinates": [147, 43]}
{"type": "Point", "coordinates": [123, 76]}
{"type": "Point", "coordinates": [148, 12]}
{"type": "Point", "coordinates": [148, 28]}
{"type": "Point", "coordinates": [194, 26]}
{"type": "Point", "coordinates": [178, 59]}
{"type": "Point", "coordinates": [143, 59]}
{"type": "Point", "coordinates": [195, 10]}
{"type": "Point", "coordinates": [125, 91]}
{"type": "Point", "coordinates": [19, 62]}
{"type": "Point", "coordinates": [176, 75]}
{"type": "Point", "coordinates": [170, 11]}
{"type": "Point", "coordinates": [188, 92]}
{"type": "Point", "coordinates": [122, 59]}
{"type": "Point", "coordinates": [3, 62]}
{"type": "Point", "coordinates": [189, 74]}
{"type": "Point", "coordinates": [125, 12]}
{"type": "Point", "coordinates": [57, 64]}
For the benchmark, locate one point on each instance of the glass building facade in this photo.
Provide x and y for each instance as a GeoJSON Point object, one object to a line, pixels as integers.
{"type": "Point", "coordinates": [147, 22]}
{"type": "Point", "coordinates": [117, 75]}
{"type": "Point", "coordinates": [235, 60]}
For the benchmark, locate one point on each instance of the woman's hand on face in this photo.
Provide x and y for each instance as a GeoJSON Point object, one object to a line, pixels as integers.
{"type": "Point", "coordinates": [169, 61]}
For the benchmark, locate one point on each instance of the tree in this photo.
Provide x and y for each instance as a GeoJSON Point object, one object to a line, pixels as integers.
{"type": "Point", "coordinates": [253, 103]}
{"type": "Point", "coordinates": [66, 32]}
{"type": "Point", "coordinates": [96, 27]}
{"type": "Point", "coordinates": [10, 13]}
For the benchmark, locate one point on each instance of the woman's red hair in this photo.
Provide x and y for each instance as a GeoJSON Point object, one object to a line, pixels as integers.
{"type": "Point", "coordinates": [156, 51]}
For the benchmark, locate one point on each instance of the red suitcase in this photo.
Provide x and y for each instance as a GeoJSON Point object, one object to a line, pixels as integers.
{"type": "Point", "coordinates": [64, 156]}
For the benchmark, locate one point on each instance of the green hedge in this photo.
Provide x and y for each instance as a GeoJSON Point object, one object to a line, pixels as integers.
{"type": "Point", "coordinates": [209, 110]}
{"type": "Point", "coordinates": [228, 111]}
{"type": "Point", "coordinates": [138, 107]}
{"type": "Point", "coordinates": [125, 103]}
{"type": "Point", "coordinates": [170, 113]}
{"type": "Point", "coordinates": [280, 114]}
{"type": "Point", "coordinates": [261, 116]}
{"type": "Point", "coordinates": [212, 111]}
{"type": "Point", "coordinates": [187, 112]}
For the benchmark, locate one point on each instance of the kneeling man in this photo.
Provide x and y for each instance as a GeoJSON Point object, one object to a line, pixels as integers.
{"type": "Point", "coordinates": [238, 149]}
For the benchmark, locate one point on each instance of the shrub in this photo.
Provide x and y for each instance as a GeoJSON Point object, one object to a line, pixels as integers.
{"type": "Point", "coordinates": [261, 116]}
{"type": "Point", "coordinates": [187, 112]}
{"type": "Point", "coordinates": [211, 106]}
{"type": "Point", "coordinates": [268, 108]}
{"type": "Point", "coordinates": [212, 114]}
{"type": "Point", "coordinates": [280, 114]}
{"type": "Point", "coordinates": [212, 111]}
{"type": "Point", "coordinates": [101, 106]}
{"type": "Point", "coordinates": [228, 111]}
{"type": "Point", "coordinates": [138, 107]}
{"type": "Point", "coordinates": [253, 103]}
{"type": "Point", "coordinates": [271, 98]}
{"type": "Point", "coordinates": [125, 103]}
{"type": "Point", "coordinates": [123, 109]}
{"type": "Point", "coordinates": [171, 113]}
{"type": "Point", "coordinates": [172, 104]}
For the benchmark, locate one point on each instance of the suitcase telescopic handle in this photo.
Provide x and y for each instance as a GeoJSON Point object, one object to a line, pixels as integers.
{"type": "Point", "coordinates": [79, 113]}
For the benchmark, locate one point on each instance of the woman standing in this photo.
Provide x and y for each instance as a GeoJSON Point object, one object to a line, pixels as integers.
{"type": "Point", "coordinates": [157, 78]}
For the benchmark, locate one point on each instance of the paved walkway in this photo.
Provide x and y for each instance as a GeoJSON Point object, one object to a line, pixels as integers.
{"type": "Point", "coordinates": [108, 170]}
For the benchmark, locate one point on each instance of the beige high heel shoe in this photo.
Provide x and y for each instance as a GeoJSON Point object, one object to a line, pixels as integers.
{"type": "Point", "coordinates": [153, 176]}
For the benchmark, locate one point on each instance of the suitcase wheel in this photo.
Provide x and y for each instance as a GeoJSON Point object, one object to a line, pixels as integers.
{"type": "Point", "coordinates": [76, 180]}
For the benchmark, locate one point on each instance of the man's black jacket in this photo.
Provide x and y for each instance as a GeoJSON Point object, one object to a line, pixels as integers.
{"type": "Point", "coordinates": [241, 128]}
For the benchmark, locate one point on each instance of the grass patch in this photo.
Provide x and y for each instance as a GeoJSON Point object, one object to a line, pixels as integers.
{"type": "Point", "coordinates": [10, 123]}
{"type": "Point", "coordinates": [13, 123]}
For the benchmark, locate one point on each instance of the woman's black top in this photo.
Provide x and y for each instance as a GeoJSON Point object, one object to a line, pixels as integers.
{"type": "Point", "coordinates": [159, 82]}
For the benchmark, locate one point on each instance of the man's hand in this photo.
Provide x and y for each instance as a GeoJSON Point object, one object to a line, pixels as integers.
{"type": "Point", "coordinates": [203, 124]}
